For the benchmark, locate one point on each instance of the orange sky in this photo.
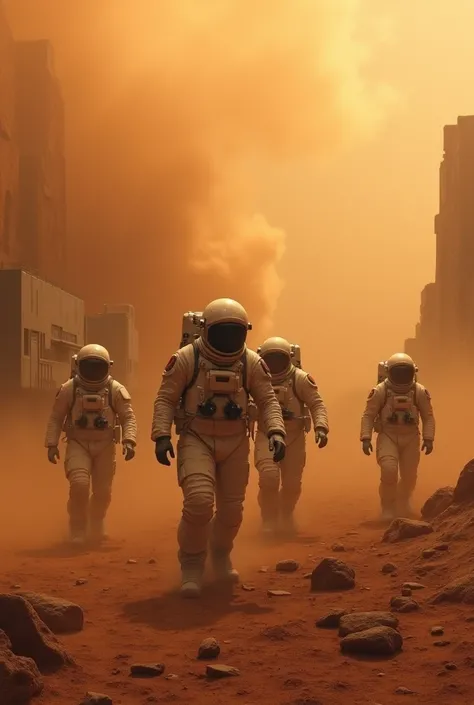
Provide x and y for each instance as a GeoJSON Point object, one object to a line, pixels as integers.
{"type": "Point", "coordinates": [246, 99]}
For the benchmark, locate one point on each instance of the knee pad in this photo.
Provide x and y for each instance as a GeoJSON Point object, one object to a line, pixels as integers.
{"type": "Point", "coordinates": [269, 479]}
{"type": "Point", "coordinates": [78, 476]}
{"type": "Point", "coordinates": [198, 504]}
{"type": "Point", "coordinates": [389, 472]}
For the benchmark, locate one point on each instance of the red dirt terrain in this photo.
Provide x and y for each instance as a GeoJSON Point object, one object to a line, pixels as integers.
{"type": "Point", "coordinates": [133, 615]}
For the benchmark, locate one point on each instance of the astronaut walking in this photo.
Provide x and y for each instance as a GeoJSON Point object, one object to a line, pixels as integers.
{"type": "Point", "coordinates": [92, 408]}
{"type": "Point", "coordinates": [212, 379]}
{"type": "Point", "coordinates": [393, 410]}
{"type": "Point", "coordinates": [300, 401]}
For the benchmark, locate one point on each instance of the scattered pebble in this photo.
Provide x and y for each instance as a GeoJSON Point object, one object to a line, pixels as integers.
{"type": "Point", "coordinates": [147, 670]}
{"type": "Point", "coordinates": [406, 592]}
{"type": "Point", "coordinates": [338, 548]}
{"type": "Point", "coordinates": [209, 648]}
{"type": "Point", "coordinates": [277, 593]}
{"type": "Point", "coordinates": [437, 631]}
{"type": "Point", "coordinates": [287, 566]}
{"type": "Point", "coordinates": [428, 553]}
{"type": "Point", "coordinates": [307, 576]}
{"type": "Point", "coordinates": [414, 586]}
{"type": "Point", "coordinates": [441, 643]}
{"type": "Point", "coordinates": [388, 568]}
{"type": "Point", "coordinates": [171, 677]}
{"type": "Point", "coordinates": [221, 671]}
{"type": "Point", "coordinates": [263, 569]}
{"type": "Point", "coordinates": [404, 691]}
{"type": "Point", "coordinates": [450, 666]}
{"type": "Point", "coordinates": [96, 699]}
{"type": "Point", "coordinates": [152, 561]}
{"type": "Point", "coordinates": [248, 588]}
{"type": "Point", "coordinates": [131, 561]}
{"type": "Point", "coordinates": [80, 581]}
{"type": "Point", "coordinates": [442, 547]}
{"type": "Point", "coordinates": [16, 587]}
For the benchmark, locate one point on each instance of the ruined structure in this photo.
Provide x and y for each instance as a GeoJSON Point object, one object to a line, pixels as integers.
{"type": "Point", "coordinates": [32, 165]}
{"type": "Point", "coordinates": [446, 326]}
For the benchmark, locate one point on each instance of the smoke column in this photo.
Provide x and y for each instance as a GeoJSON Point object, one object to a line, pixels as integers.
{"type": "Point", "coordinates": [171, 106]}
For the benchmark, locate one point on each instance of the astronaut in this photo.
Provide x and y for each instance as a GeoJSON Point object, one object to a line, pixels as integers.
{"type": "Point", "coordinates": [393, 411]}
{"type": "Point", "coordinates": [297, 393]}
{"type": "Point", "coordinates": [212, 378]}
{"type": "Point", "coordinates": [92, 409]}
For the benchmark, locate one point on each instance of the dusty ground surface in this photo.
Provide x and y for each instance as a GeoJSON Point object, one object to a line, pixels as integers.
{"type": "Point", "coordinates": [133, 615]}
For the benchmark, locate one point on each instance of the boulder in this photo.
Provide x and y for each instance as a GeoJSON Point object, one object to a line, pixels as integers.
{"type": "Point", "coordinates": [362, 621]}
{"type": "Point", "coordinates": [457, 591]}
{"type": "Point", "coordinates": [402, 529]}
{"type": "Point", "coordinates": [332, 574]}
{"type": "Point", "coordinates": [437, 503]}
{"type": "Point", "coordinates": [59, 615]}
{"type": "Point", "coordinates": [20, 679]}
{"type": "Point", "coordinates": [378, 641]}
{"type": "Point", "coordinates": [464, 490]}
{"type": "Point", "coordinates": [29, 636]}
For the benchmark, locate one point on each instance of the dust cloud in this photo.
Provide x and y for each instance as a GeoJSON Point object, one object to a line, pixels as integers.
{"type": "Point", "coordinates": [171, 110]}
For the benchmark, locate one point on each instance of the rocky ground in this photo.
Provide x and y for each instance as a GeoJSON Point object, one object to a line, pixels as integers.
{"type": "Point", "coordinates": [349, 613]}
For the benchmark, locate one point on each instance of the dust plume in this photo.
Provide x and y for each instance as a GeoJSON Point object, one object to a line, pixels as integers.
{"type": "Point", "coordinates": [171, 107]}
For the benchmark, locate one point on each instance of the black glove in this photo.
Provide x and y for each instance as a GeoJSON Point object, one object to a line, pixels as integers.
{"type": "Point", "coordinates": [321, 437]}
{"type": "Point", "coordinates": [163, 446]}
{"type": "Point", "coordinates": [367, 446]}
{"type": "Point", "coordinates": [53, 454]}
{"type": "Point", "coordinates": [427, 446]}
{"type": "Point", "coordinates": [277, 446]}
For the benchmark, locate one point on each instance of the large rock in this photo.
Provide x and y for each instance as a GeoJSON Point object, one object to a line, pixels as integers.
{"type": "Point", "coordinates": [29, 636]}
{"type": "Point", "coordinates": [20, 679]}
{"type": "Point", "coordinates": [460, 590]}
{"type": "Point", "coordinates": [332, 574]}
{"type": "Point", "coordinates": [464, 490]}
{"type": "Point", "coordinates": [361, 621]}
{"type": "Point", "coordinates": [59, 615]}
{"type": "Point", "coordinates": [437, 503]}
{"type": "Point", "coordinates": [378, 641]}
{"type": "Point", "coordinates": [402, 529]}
{"type": "Point", "coordinates": [331, 620]}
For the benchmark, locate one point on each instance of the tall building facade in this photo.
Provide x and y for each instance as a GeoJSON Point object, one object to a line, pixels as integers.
{"type": "Point", "coordinates": [446, 325]}
{"type": "Point", "coordinates": [32, 159]}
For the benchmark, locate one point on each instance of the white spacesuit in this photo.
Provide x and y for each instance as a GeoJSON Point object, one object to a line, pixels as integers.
{"type": "Point", "coordinates": [91, 407]}
{"type": "Point", "coordinates": [211, 380]}
{"type": "Point", "coordinates": [300, 401]}
{"type": "Point", "coordinates": [393, 411]}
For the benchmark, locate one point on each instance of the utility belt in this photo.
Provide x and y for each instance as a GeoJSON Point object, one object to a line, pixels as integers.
{"type": "Point", "coordinates": [100, 430]}
{"type": "Point", "coordinates": [289, 417]}
{"type": "Point", "coordinates": [234, 416]}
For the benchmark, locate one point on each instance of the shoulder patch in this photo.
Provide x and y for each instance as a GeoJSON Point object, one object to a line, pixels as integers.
{"type": "Point", "coordinates": [265, 367]}
{"type": "Point", "coordinates": [312, 381]}
{"type": "Point", "coordinates": [371, 394]}
{"type": "Point", "coordinates": [428, 394]}
{"type": "Point", "coordinates": [170, 364]}
{"type": "Point", "coordinates": [125, 394]}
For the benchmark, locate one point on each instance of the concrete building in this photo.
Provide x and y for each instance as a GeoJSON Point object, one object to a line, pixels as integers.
{"type": "Point", "coordinates": [8, 148]}
{"type": "Point", "coordinates": [446, 326]}
{"type": "Point", "coordinates": [44, 327]}
{"type": "Point", "coordinates": [42, 173]}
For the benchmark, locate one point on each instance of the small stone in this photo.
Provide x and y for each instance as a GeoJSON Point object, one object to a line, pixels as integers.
{"type": "Point", "coordinates": [378, 641]}
{"type": "Point", "coordinates": [442, 547]}
{"type": "Point", "coordinates": [332, 574]}
{"type": "Point", "coordinates": [221, 671]}
{"type": "Point", "coordinates": [152, 561]}
{"type": "Point", "coordinates": [406, 592]}
{"type": "Point", "coordinates": [403, 604]}
{"type": "Point", "coordinates": [402, 529]}
{"type": "Point", "coordinates": [171, 677]}
{"type": "Point", "coordinates": [81, 581]}
{"type": "Point", "coordinates": [331, 620]}
{"type": "Point", "coordinates": [96, 699]}
{"type": "Point", "coordinates": [414, 586]}
{"type": "Point", "coordinates": [307, 576]}
{"type": "Point", "coordinates": [263, 569]}
{"type": "Point", "coordinates": [363, 621]}
{"type": "Point", "coordinates": [147, 670]}
{"type": "Point", "coordinates": [16, 587]}
{"type": "Point", "coordinates": [450, 666]}
{"type": "Point", "coordinates": [287, 566]}
{"type": "Point", "coordinates": [277, 593]}
{"type": "Point", "coordinates": [388, 568]}
{"type": "Point", "coordinates": [441, 643]}
{"type": "Point", "coordinates": [404, 691]}
{"type": "Point", "coordinates": [338, 548]}
{"type": "Point", "coordinates": [428, 553]}
{"type": "Point", "coordinates": [131, 561]}
{"type": "Point", "coordinates": [437, 631]}
{"type": "Point", "coordinates": [209, 648]}
{"type": "Point", "coordinates": [248, 588]}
